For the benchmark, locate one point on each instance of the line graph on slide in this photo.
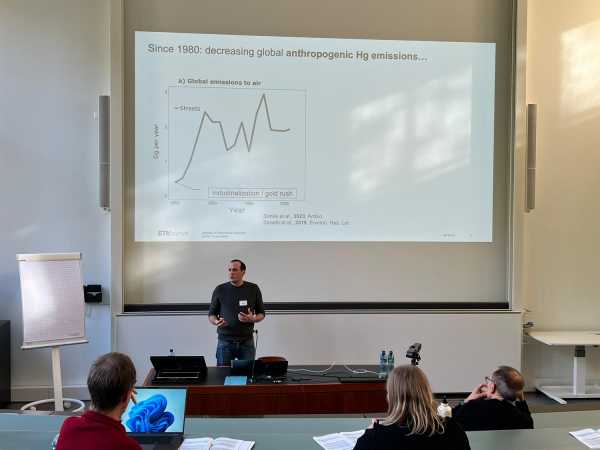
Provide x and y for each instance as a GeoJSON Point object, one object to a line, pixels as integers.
{"type": "Point", "coordinates": [236, 143]}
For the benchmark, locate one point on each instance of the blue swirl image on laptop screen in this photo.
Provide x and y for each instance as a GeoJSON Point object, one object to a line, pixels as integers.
{"type": "Point", "coordinates": [156, 411]}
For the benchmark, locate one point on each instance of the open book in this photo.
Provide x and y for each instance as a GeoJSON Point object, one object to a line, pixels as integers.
{"type": "Point", "coordinates": [215, 444]}
{"type": "Point", "coordinates": [587, 436]}
{"type": "Point", "coordinates": [339, 441]}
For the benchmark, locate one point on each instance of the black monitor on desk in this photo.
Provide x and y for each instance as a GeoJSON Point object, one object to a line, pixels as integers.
{"type": "Point", "coordinates": [178, 369]}
{"type": "Point", "coordinates": [259, 367]}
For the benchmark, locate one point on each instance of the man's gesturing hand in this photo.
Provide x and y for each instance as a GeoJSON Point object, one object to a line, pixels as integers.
{"type": "Point", "coordinates": [248, 318]}
{"type": "Point", "coordinates": [220, 322]}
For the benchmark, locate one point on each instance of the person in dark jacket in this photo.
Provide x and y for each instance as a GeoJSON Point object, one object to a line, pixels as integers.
{"type": "Point", "coordinates": [497, 404]}
{"type": "Point", "coordinates": [412, 422]}
{"type": "Point", "coordinates": [111, 383]}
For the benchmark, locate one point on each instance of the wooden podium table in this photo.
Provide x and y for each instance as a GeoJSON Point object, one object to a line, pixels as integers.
{"type": "Point", "coordinates": [301, 393]}
{"type": "Point", "coordinates": [579, 340]}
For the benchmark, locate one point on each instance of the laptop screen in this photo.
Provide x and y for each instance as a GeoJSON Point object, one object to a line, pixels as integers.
{"type": "Point", "coordinates": [158, 410]}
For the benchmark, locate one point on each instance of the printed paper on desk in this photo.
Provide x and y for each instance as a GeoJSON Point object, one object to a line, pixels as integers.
{"type": "Point", "coordinates": [587, 436]}
{"type": "Point", "coordinates": [339, 441]}
{"type": "Point", "coordinates": [215, 444]}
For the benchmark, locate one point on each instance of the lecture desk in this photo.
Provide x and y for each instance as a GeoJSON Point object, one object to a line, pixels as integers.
{"type": "Point", "coordinates": [301, 393]}
{"type": "Point", "coordinates": [35, 432]}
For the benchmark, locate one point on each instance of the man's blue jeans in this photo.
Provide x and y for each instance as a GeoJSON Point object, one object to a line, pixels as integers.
{"type": "Point", "coordinates": [228, 350]}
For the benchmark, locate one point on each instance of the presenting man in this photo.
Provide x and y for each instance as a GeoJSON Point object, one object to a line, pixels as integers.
{"type": "Point", "coordinates": [234, 309]}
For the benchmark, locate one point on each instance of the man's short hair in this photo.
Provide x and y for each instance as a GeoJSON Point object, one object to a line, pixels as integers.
{"type": "Point", "coordinates": [110, 379]}
{"type": "Point", "coordinates": [509, 382]}
{"type": "Point", "coordinates": [242, 265]}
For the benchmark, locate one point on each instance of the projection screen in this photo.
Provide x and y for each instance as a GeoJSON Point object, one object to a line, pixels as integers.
{"type": "Point", "coordinates": [359, 162]}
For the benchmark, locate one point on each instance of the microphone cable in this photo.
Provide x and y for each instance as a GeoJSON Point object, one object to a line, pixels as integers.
{"type": "Point", "coordinates": [254, 359]}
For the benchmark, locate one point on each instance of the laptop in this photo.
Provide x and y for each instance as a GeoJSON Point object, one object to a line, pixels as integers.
{"type": "Point", "coordinates": [156, 422]}
{"type": "Point", "coordinates": [260, 368]}
{"type": "Point", "coordinates": [178, 369]}
{"type": "Point", "coordinates": [360, 379]}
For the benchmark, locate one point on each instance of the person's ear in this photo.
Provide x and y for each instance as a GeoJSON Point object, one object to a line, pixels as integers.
{"type": "Point", "coordinates": [128, 395]}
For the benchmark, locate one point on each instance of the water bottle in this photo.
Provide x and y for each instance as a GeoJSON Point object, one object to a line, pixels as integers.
{"type": "Point", "coordinates": [444, 409]}
{"type": "Point", "coordinates": [390, 361]}
{"type": "Point", "coordinates": [382, 365]}
{"type": "Point", "coordinates": [171, 352]}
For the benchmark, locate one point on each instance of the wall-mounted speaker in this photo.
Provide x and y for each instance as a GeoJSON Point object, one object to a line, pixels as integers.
{"type": "Point", "coordinates": [531, 156]}
{"type": "Point", "coordinates": [92, 293]}
{"type": "Point", "coordinates": [104, 151]}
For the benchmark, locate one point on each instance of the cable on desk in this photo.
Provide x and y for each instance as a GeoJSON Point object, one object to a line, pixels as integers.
{"type": "Point", "coordinates": [359, 371]}
{"type": "Point", "coordinates": [313, 371]}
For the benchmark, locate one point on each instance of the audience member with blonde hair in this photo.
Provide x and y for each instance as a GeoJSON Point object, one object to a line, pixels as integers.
{"type": "Point", "coordinates": [412, 422]}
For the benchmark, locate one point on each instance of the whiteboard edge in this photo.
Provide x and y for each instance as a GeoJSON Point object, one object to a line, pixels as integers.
{"type": "Point", "coordinates": [53, 343]}
{"type": "Point", "coordinates": [48, 256]}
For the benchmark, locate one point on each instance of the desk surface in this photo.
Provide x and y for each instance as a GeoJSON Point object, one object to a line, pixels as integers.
{"type": "Point", "coordinates": [296, 375]}
{"type": "Point", "coordinates": [25, 432]}
{"type": "Point", "coordinates": [302, 392]}
{"type": "Point", "coordinates": [566, 337]}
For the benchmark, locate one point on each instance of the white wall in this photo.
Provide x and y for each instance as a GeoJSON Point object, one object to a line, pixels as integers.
{"type": "Point", "coordinates": [54, 62]}
{"type": "Point", "coordinates": [562, 238]}
{"type": "Point", "coordinates": [458, 349]}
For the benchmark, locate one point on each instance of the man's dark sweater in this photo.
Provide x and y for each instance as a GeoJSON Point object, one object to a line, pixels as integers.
{"type": "Point", "coordinates": [225, 303]}
{"type": "Point", "coordinates": [492, 414]}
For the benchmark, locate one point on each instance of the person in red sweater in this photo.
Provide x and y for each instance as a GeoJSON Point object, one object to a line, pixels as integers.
{"type": "Point", "coordinates": [111, 383]}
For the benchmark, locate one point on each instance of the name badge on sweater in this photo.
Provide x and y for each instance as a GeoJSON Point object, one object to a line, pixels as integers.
{"type": "Point", "coordinates": [243, 302]}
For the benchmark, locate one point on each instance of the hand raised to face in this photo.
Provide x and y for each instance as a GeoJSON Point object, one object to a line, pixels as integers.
{"type": "Point", "coordinates": [481, 391]}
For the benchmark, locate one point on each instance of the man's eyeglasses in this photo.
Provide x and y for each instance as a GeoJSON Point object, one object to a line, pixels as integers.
{"type": "Point", "coordinates": [489, 380]}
